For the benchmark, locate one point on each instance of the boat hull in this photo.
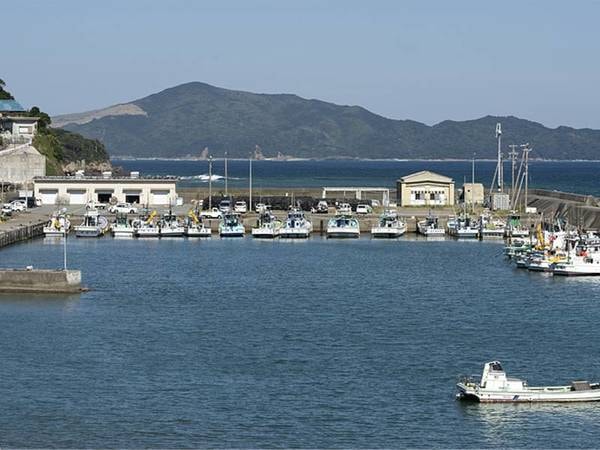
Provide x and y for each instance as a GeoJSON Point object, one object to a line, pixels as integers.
{"type": "Point", "coordinates": [199, 233]}
{"type": "Point", "coordinates": [387, 232]}
{"type": "Point", "coordinates": [343, 233]}
{"type": "Point", "coordinates": [294, 233]}
{"type": "Point", "coordinates": [530, 396]}
{"type": "Point", "coordinates": [263, 233]}
{"type": "Point", "coordinates": [93, 232]}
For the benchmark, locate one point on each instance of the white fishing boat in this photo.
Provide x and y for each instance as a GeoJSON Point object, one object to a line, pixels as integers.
{"type": "Point", "coordinates": [122, 226]}
{"type": "Point", "coordinates": [494, 386]}
{"type": "Point", "coordinates": [462, 228]}
{"type": "Point", "coordinates": [58, 225]}
{"type": "Point", "coordinates": [268, 226]}
{"type": "Point", "coordinates": [514, 228]}
{"type": "Point", "coordinates": [146, 226]}
{"type": "Point", "coordinates": [343, 226]}
{"type": "Point", "coordinates": [389, 226]}
{"type": "Point", "coordinates": [491, 228]}
{"type": "Point", "coordinates": [93, 225]}
{"type": "Point", "coordinates": [170, 226]}
{"type": "Point", "coordinates": [430, 227]}
{"type": "Point", "coordinates": [195, 226]}
{"type": "Point", "coordinates": [231, 226]}
{"type": "Point", "coordinates": [584, 260]}
{"type": "Point", "coordinates": [296, 225]}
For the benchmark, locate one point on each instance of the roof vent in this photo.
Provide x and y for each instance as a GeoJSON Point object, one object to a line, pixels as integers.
{"type": "Point", "coordinates": [135, 174]}
{"type": "Point", "coordinates": [79, 174]}
{"type": "Point", "coordinates": [106, 175]}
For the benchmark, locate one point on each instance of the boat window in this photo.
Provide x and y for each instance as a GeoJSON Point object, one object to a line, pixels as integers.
{"type": "Point", "coordinates": [496, 366]}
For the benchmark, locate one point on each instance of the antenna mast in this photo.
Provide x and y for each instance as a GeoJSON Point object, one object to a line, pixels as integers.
{"type": "Point", "coordinates": [513, 162]}
{"type": "Point", "coordinates": [500, 168]}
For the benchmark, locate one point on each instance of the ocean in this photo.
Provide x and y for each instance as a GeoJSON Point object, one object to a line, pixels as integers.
{"type": "Point", "coordinates": [569, 176]}
{"type": "Point", "coordinates": [318, 343]}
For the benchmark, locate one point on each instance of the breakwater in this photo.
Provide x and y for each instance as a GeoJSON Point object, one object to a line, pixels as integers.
{"type": "Point", "coordinates": [582, 211]}
{"type": "Point", "coordinates": [21, 233]}
{"type": "Point", "coordinates": [40, 280]}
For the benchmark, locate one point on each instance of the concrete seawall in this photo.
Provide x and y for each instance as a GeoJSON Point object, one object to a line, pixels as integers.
{"type": "Point", "coordinates": [39, 280]}
{"type": "Point", "coordinates": [582, 211]}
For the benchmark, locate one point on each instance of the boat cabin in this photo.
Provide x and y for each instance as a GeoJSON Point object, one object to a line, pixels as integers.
{"type": "Point", "coordinates": [494, 378]}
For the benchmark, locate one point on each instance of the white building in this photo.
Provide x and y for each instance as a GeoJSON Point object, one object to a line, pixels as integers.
{"type": "Point", "coordinates": [425, 188]}
{"type": "Point", "coordinates": [21, 163]}
{"type": "Point", "coordinates": [78, 190]}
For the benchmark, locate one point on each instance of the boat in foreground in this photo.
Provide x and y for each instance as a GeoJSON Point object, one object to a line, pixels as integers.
{"type": "Point", "coordinates": [231, 226]}
{"type": "Point", "coordinates": [195, 227]}
{"type": "Point", "coordinates": [122, 227]}
{"type": "Point", "coordinates": [268, 226]}
{"type": "Point", "coordinates": [495, 387]}
{"type": "Point", "coordinates": [430, 227]}
{"type": "Point", "coordinates": [93, 225]}
{"type": "Point", "coordinates": [58, 225]}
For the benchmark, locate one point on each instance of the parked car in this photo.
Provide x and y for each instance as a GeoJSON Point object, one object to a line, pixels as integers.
{"type": "Point", "coordinates": [322, 207]}
{"type": "Point", "coordinates": [225, 206]}
{"type": "Point", "coordinates": [344, 208]}
{"type": "Point", "coordinates": [92, 204]}
{"type": "Point", "coordinates": [261, 208]}
{"type": "Point", "coordinates": [18, 205]}
{"type": "Point", "coordinates": [240, 207]}
{"type": "Point", "coordinates": [123, 208]}
{"type": "Point", "coordinates": [213, 213]}
{"type": "Point", "coordinates": [363, 209]}
{"type": "Point", "coordinates": [7, 209]}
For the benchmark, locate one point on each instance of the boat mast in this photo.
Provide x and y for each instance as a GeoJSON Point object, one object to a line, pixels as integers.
{"type": "Point", "coordinates": [526, 150]}
{"type": "Point", "coordinates": [226, 189]}
{"type": "Point", "coordinates": [513, 162]}
{"type": "Point", "coordinates": [250, 195]}
{"type": "Point", "coordinates": [210, 182]}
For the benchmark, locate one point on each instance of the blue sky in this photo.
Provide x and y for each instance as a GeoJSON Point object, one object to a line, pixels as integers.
{"type": "Point", "coordinates": [422, 60]}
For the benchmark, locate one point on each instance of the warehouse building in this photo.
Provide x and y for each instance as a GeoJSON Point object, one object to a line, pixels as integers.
{"type": "Point", "coordinates": [79, 190]}
{"type": "Point", "coordinates": [425, 188]}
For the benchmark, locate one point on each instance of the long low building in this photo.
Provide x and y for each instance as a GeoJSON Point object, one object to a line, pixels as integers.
{"type": "Point", "coordinates": [79, 190]}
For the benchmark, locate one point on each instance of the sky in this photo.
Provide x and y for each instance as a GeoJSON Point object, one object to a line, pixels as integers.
{"type": "Point", "coordinates": [422, 60]}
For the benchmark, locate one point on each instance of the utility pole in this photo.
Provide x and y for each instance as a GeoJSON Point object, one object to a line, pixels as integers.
{"type": "Point", "coordinates": [500, 169]}
{"type": "Point", "coordinates": [473, 184]}
{"type": "Point", "coordinates": [513, 161]}
{"type": "Point", "coordinates": [250, 170]}
{"type": "Point", "coordinates": [210, 182]}
{"type": "Point", "coordinates": [226, 189]}
{"type": "Point", "coordinates": [65, 248]}
{"type": "Point", "coordinates": [526, 150]}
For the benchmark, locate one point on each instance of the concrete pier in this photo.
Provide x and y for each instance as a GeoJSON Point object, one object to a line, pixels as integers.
{"type": "Point", "coordinates": [40, 280]}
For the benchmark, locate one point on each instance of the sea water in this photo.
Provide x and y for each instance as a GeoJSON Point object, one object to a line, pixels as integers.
{"type": "Point", "coordinates": [316, 343]}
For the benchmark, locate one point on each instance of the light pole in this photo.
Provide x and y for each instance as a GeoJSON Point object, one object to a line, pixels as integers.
{"type": "Point", "coordinates": [250, 177]}
{"type": "Point", "coordinates": [210, 182]}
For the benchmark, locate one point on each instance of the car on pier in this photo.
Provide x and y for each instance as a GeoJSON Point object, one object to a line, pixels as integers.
{"type": "Point", "coordinates": [363, 209]}
{"type": "Point", "coordinates": [212, 213]}
{"type": "Point", "coordinates": [122, 208]}
{"type": "Point", "coordinates": [240, 207]}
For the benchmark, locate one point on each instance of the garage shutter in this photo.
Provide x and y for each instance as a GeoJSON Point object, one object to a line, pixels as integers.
{"type": "Point", "coordinates": [48, 196]}
{"type": "Point", "coordinates": [77, 196]}
{"type": "Point", "coordinates": [159, 197]}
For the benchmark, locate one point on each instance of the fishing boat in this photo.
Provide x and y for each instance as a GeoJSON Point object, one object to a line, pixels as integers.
{"type": "Point", "coordinates": [296, 225]}
{"type": "Point", "coordinates": [268, 226]}
{"type": "Point", "coordinates": [93, 225]}
{"type": "Point", "coordinates": [514, 228]}
{"type": "Point", "coordinates": [343, 226]}
{"type": "Point", "coordinates": [430, 227]}
{"type": "Point", "coordinates": [389, 226]}
{"type": "Point", "coordinates": [146, 226]}
{"type": "Point", "coordinates": [58, 225]}
{"type": "Point", "coordinates": [462, 228]}
{"type": "Point", "coordinates": [584, 260]}
{"type": "Point", "coordinates": [494, 386]}
{"type": "Point", "coordinates": [170, 226]}
{"type": "Point", "coordinates": [194, 226]}
{"type": "Point", "coordinates": [122, 227]}
{"type": "Point", "coordinates": [491, 228]}
{"type": "Point", "coordinates": [231, 226]}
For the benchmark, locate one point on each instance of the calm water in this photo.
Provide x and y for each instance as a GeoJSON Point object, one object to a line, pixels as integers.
{"type": "Point", "coordinates": [569, 176]}
{"type": "Point", "coordinates": [243, 343]}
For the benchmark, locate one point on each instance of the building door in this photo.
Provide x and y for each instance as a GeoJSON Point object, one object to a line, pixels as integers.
{"type": "Point", "coordinates": [159, 197]}
{"type": "Point", "coordinates": [104, 196]}
{"type": "Point", "coordinates": [77, 196]}
{"type": "Point", "coordinates": [132, 195]}
{"type": "Point", "coordinates": [48, 196]}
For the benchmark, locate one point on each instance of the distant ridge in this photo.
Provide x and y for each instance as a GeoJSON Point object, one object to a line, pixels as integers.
{"type": "Point", "coordinates": [183, 120]}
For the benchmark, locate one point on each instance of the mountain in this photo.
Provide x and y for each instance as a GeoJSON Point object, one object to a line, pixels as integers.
{"type": "Point", "coordinates": [183, 120]}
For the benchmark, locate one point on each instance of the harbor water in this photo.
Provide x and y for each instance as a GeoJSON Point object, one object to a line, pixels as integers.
{"type": "Point", "coordinates": [316, 343]}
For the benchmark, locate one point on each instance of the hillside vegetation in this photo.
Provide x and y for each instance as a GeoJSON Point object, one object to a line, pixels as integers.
{"type": "Point", "coordinates": [61, 147]}
{"type": "Point", "coordinates": [185, 119]}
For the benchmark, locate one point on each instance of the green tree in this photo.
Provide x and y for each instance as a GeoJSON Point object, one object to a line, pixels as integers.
{"type": "Point", "coordinates": [4, 95]}
{"type": "Point", "coordinates": [45, 119]}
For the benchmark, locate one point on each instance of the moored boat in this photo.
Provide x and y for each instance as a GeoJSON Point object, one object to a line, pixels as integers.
{"type": "Point", "coordinates": [58, 225]}
{"type": "Point", "coordinates": [430, 227]}
{"type": "Point", "coordinates": [343, 226]}
{"type": "Point", "coordinates": [268, 226]}
{"type": "Point", "coordinates": [93, 225]}
{"type": "Point", "coordinates": [494, 386]}
{"type": "Point", "coordinates": [146, 226]}
{"type": "Point", "coordinates": [296, 226]}
{"type": "Point", "coordinates": [389, 226]}
{"type": "Point", "coordinates": [170, 226]}
{"type": "Point", "coordinates": [122, 227]}
{"type": "Point", "coordinates": [231, 226]}
{"type": "Point", "coordinates": [194, 226]}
